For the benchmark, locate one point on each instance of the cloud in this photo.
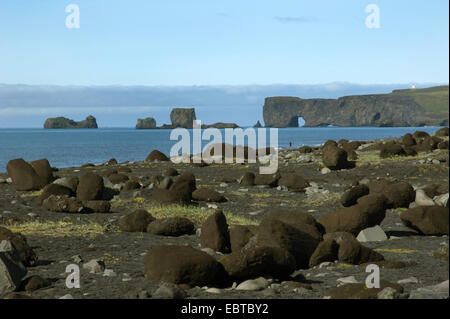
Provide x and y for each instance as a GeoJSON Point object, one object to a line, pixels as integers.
{"type": "Point", "coordinates": [295, 19]}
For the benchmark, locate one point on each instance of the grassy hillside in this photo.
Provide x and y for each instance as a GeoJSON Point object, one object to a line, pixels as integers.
{"type": "Point", "coordinates": [433, 99]}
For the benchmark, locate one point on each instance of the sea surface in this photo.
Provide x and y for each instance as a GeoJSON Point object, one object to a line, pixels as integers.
{"type": "Point", "coordinates": [70, 148]}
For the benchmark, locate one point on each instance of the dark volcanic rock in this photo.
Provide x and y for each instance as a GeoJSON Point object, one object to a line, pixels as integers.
{"type": "Point", "coordinates": [90, 187]}
{"type": "Point", "coordinates": [62, 122]}
{"type": "Point", "coordinates": [248, 179]}
{"type": "Point", "coordinates": [327, 250]}
{"type": "Point", "coordinates": [53, 189]}
{"type": "Point", "coordinates": [173, 226]}
{"type": "Point", "coordinates": [429, 220]}
{"type": "Point", "coordinates": [183, 265]}
{"type": "Point", "coordinates": [35, 282]}
{"type": "Point", "coordinates": [19, 242]}
{"type": "Point", "coordinates": [183, 118]}
{"type": "Point", "coordinates": [370, 211]}
{"type": "Point", "coordinates": [208, 195]}
{"type": "Point", "coordinates": [240, 236]}
{"type": "Point", "coordinates": [254, 262]}
{"type": "Point", "coordinates": [145, 124]}
{"type": "Point", "coordinates": [299, 243]}
{"type": "Point", "coordinates": [442, 132]}
{"type": "Point", "coordinates": [156, 155]}
{"type": "Point", "coordinates": [63, 204]}
{"type": "Point", "coordinates": [398, 194]}
{"type": "Point", "coordinates": [43, 170]}
{"type": "Point", "coordinates": [136, 221]}
{"type": "Point", "coordinates": [334, 158]}
{"type": "Point", "coordinates": [408, 140]}
{"type": "Point", "coordinates": [118, 178]}
{"type": "Point", "coordinates": [23, 175]}
{"type": "Point", "coordinates": [293, 182]}
{"type": "Point", "coordinates": [350, 196]}
{"type": "Point", "coordinates": [171, 172]}
{"type": "Point", "coordinates": [97, 206]}
{"type": "Point", "coordinates": [391, 149]}
{"type": "Point", "coordinates": [215, 234]}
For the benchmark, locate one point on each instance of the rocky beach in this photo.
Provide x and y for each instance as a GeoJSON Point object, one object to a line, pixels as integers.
{"type": "Point", "coordinates": [156, 229]}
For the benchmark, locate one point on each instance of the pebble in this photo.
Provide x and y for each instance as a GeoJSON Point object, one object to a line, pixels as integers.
{"type": "Point", "coordinates": [169, 291]}
{"type": "Point", "coordinates": [68, 296]}
{"type": "Point", "coordinates": [32, 215]}
{"type": "Point", "coordinates": [213, 206]}
{"type": "Point", "coordinates": [94, 266]}
{"type": "Point", "coordinates": [126, 277]}
{"type": "Point", "coordinates": [422, 199]}
{"type": "Point", "coordinates": [410, 280]}
{"type": "Point", "coordinates": [325, 170]}
{"type": "Point", "coordinates": [253, 284]}
{"type": "Point", "coordinates": [214, 291]}
{"type": "Point", "coordinates": [348, 280]}
{"type": "Point", "coordinates": [9, 180]}
{"type": "Point", "coordinates": [223, 185]}
{"type": "Point", "coordinates": [243, 189]}
{"type": "Point", "coordinates": [77, 259]}
{"type": "Point", "coordinates": [109, 273]}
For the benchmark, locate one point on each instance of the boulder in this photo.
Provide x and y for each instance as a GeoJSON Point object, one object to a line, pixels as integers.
{"type": "Point", "coordinates": [208, 195]}
{"type": "Point", "coordinates": [443, 145]}
{"type": "Point", "coordinates": [19, 242]}
{"type": "Point", "coordinates": [97, 206]}
{"type": "Point", "coordinates": [327, 250]}
{"type": "Point", "coordinates": [375, 233]}
{"type": "Point", "coordinates": [391, 149]}
{"type": "Point", "coordinates": [43, 170]}
{"type": "Point", "coordinates": [69, 182]}
{"type": "Point", "coordinates": [90, 187]}
{"type": "Point", "coordinates": [398, 194]}
{"type": "Point", "coordinates": [299, 243]}
{"type": "Point", "coordinates": [334, 158]}
{"type": "Point", "coordinates": [428, 220]}
{"type": "Point", "coordinates": [442, 132]}
{"type": "Point", "coordinates": [118, 178]}
{"type": "Point", "coordinates": [131, 185]}
{"type": "Point", "coordinates": [248, 179]}
{"type": "Point", "coordinates": [270, 180]}
{"type": "Point", "coordinates": [53, 189]}
{"type": "Point", "coordinates": [172, 226]}
{"type": "Point", "coordinates": [408, 140]}
{"type": "Point", "coordinates": [63, 204]}
{"type": "Point", "coordinates": [254, 262]}
{"type": "Point", "coordinates": [35, 282]}
{"type": "Point", "coordinates": [215, 234]}
{"type": "Point", "coordinates": [11, 271]}
{"type": "Point", "coordinates": [350, 196]}
{"type": "Point", "coordinates": [351, 251]}
{"type": "Point", "coordinates": [183, 265]}
{"type": "Point", "coordinates": [23, 175]}
{"type": "Point", "coordinates": [370, 211]}
{"type": "Point", "coordinates": [240, 236]}
{"type": "Point", "coordinates": [136, 221]}
{"type": "Point", "coordinates": [303, 222]}
{"type": "Point", "coordinates": [293, 182]}
{"type": "Point", "coordinates": [156, 155]}
{"type": "Point", "coordinates": [171, 172]}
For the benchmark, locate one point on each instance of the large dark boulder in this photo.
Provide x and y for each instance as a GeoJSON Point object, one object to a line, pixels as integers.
{"type": "Point", "coordinates": [429, 220]}
{"type": "Point", "coordinates": [334, 158]}
{"type": "Point", "coordinates": [442, 132]}
{"type": "Point", "coordinates": [293, 182]}
{"type": "Point", "coordinates": [27, 255]}
{"type": "Point", "coordinates": [136, 221]}
{"type": "Point", "coordinates": [215, 234]}
{"type": "Point", "coordinates": [208, 195]}
{"type": "Point", "coordinates": [23, 175]}
{"type": "Point", "coordinates": [240, 235]}
{"type": "Point", "coordinates": [90, 187]}
{"type": "Point", "coordinates": [172, 226]}
{"type": "Point", "coordinates": [256, 261]}
{"type": "Point", "coordinates": [391, 149]}
{"type": "Point", "coordinates": [350, 196]}
{"type": "Point", "coordinates": [156, 155]}
{"type": "Point", "coordinates": [398, 194]}
{"type": "Point", "coordinates": [53, 189]}
{"type": "Point", "coordinates": [43, 170]}
{"type": "Point", "coordinates": [183, 265]}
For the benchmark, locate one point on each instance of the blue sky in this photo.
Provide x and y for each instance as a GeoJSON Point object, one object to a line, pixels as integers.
{"type": "Point", "coordinates": [208, 42]}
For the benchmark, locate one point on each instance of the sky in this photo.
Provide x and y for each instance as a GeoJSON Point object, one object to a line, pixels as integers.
{"type": "Point", "coordinates": [216, 43]}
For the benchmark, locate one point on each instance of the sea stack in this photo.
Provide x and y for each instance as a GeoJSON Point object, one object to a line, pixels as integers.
{"type": "Point", "coordinates": [146, 124]}
{"type": "Point", "coordinates": [65, 123]}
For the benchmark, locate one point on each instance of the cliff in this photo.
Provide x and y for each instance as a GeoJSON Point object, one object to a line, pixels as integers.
{"type": "Point", "coordinates": [181, 117]}
{"type": "Point", "coordinates": [415, 107]}
{"type": "Point", "coordinates": [145, 124]}
{"type": "Point", "coordinates": [65, 123]}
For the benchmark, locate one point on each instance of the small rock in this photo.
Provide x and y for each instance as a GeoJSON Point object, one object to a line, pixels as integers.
{"type": "Point", "coordinates": [109, 273]}
{"type": "Point", "coordinates": [169, 291]}
{"type": "Point", "coordinates": [325, 170]}
{"type": "Point", "coordinates": [441, 200]}
{"type": "Point", "coordinates": [77, 259]}
{"type": "Point", "coordinates": [214, 291]}
{"type": "Point", "coordinates": [253, 284]}
{"type": "Point", "coordinates": [94, 266]}
{"type": "Point", "coordinates": [388, 293]}
{"type": "Point", "coordinates": [348, 280]}
{"type": "Point", "coordinates": [375, 233]}
{"type": "Point", "coordinates": [422, 199]}
{"type": "Point", "coordinates": [223, 185]}
{"type": "Point", "coordinates": [68, 296]}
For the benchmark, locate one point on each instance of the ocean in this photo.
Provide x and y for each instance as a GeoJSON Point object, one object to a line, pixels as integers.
{"type": "Point", "coordinates": [71, 148]}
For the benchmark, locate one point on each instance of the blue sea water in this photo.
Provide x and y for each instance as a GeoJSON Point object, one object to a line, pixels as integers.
{"type": "Point", "coordinates": [70, 148]}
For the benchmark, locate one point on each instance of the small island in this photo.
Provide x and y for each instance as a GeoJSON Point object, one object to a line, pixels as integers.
{"type": "Point", "coordinates": [146, 124]}
{"type": "Point", "coordinates": [65, 123]}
